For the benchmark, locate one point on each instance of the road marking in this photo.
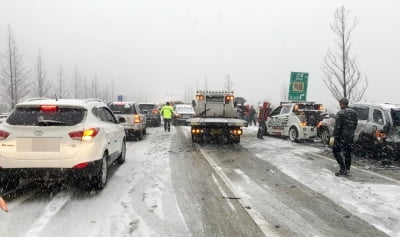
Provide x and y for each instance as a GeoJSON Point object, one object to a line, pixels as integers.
{"type": "Point", "coordinates": [258, 219]}
{"type": "Point", "coordinates": [244, 176]}
{"type": "Point", "coordinates": [223, 193]}
{"type": "Point", "coordinates": [48, 213]}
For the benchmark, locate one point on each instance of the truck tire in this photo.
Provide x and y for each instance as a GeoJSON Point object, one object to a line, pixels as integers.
{"type": "Point", "coordinates": [294, 134]}
{"type": "Point", "coordinates": [324, 135]}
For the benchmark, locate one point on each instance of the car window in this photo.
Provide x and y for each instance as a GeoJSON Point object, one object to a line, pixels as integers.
{"type": "Point", "coordinates": [184, 109]}
{"type": "Point", "coordinates": [110, 117]}
{"type": "Point", "coordinates": [122, 108]}
{"type": "Point", "coordinates": [377, 116]}
{"type": "Point", "coordinates": [36, 117]}
{"type": "Point", "coordinates": [362, 112]}
{"type": "Point", "coordinates": [286, 109]}
{"type": "Point", "coordinates": [276, 111]}
{"type": "Point", "coordinates": [395, 117]}
{"type": "Point", "coordinates": [147, 107]}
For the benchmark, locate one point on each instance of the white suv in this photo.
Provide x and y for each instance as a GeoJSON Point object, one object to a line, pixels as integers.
{"type": "Point", "coordinates": [296, 120]}
{"type": "Point", "coordinates": [132, 118]}
{"type": "Point", "coordinates": [45, 138]}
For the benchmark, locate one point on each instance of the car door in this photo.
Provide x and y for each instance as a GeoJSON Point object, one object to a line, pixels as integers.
{"type": "Point", "coordinates": [111, 130]}
{"type": "Point", "coordinates": [273, 121]}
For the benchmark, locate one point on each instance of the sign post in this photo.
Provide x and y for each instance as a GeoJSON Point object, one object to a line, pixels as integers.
{"type": "Point", "coordinates": [119, 98]}
{"type": "Point", "coordinates": [298, 86]}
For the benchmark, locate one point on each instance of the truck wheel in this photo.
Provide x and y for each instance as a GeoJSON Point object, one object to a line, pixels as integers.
{"type": "Point", "coordinates": [324, 135]}
{"type": "Point", "coordinates": [293, 134]}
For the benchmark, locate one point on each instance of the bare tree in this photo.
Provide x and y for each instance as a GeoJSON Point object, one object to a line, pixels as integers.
{"type": "Point", "coordinates": [228, 82]}
{"type": "Point", "coordinates": [62, 88]}
{"type": "Point", "coordinates": [342, 75]}
{"type": "Point", "coordinates": [43, 86]}
{"type": "Point", "coordinates": [76, 83]}
{"type": "Point", "coordinates": [94, 86]}
{"type": "Point", "coordinates": [13, 74]}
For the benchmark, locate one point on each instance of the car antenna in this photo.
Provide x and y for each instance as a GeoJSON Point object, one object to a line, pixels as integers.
{"type": "Point", "coordinates": [56, 97]}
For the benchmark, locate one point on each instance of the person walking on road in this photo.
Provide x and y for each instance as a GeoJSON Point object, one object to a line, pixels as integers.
{"type": "Point", "coordinates": [262, 118]}
{"type": "Point", "coordinates": [167, 112]}
{"type": "Point", "coordinates": [343, 135]}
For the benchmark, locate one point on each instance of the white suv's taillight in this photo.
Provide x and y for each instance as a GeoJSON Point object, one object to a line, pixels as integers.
{"type": "Point", "coordinates": [3, 134]}
{"type": "Point", "coordinates": [136, 118]}
{"type": "Point", "coordinates": [84, 135]}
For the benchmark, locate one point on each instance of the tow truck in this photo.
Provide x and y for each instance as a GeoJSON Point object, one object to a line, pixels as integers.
{"type": "Point", "coordinates": [216, 119]}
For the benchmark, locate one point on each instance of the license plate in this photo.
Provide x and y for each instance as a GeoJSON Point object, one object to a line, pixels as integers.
{"type": "Point", "coordinates": [216, 131]}
{"type": "Point", "coordinates": [38, 144]}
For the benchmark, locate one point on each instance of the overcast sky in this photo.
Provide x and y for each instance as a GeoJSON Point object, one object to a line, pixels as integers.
{"type": "Point", "coordinates": [159, 49]}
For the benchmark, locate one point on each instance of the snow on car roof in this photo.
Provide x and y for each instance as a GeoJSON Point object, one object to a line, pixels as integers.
{"type": "Point", "coordinates": [66, 102]}
{"type": "Point", "coordinates": [385, 106]}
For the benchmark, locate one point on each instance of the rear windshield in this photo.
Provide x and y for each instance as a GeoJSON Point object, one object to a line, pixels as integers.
{"type": "Point", "coordinates": [184, 110]}
{"type": "Point", "coordinates": [147, 107]}
{"type": "Point", "coordinates": [122, 108]}
{"type": "Point", "coordinates": [396, 117]}
{"type": "Point", "coordinates": [35, 117]}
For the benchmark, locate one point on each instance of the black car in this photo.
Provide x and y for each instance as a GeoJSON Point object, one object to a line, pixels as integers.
{"type": "Point", "coordinates": [152, 112]}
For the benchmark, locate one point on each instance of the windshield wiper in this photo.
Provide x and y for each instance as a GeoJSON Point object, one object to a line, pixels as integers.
{"type": "Point", "coordinates": [51, 123]}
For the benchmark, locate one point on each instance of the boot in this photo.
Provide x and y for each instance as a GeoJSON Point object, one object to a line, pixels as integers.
{"type": "Point", "coordinates": [341, 172]}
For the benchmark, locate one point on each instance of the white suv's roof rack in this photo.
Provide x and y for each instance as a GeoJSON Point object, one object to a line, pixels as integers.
{"type": "Point", "coordinates": [93, 99]}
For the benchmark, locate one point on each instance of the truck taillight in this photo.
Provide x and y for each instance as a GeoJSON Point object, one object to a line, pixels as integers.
{"type": "Point", "coordinates": [303, 124]}
{"type": "Point", "coordinates": [84, 135]}
{"type": "Point", "coordinates": [197, 131]}
{"type": "Point", "coordinates": [136, 118]}
{"type": "Point", "coordinates": [228, 99]}
{"type": "Point", "coordinates": [3, 134]}
{"type": "Point", "coordinates": [177, 116]}
{"type": "Point", "coordinates": [237, 132]}
{"type": "Point", "coordinates": [199, 97]}
{"type": "Point", "coordinates": [154, 111]}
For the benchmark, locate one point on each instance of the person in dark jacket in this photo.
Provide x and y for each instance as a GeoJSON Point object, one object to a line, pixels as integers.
{"type": "Point", "coordinates": [343, 135]}
{"type": "Point", "coordinates": [262, 118]}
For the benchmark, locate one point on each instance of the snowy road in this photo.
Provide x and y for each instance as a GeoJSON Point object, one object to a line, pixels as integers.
{"type": "Point", "coordinates": [171, 187]}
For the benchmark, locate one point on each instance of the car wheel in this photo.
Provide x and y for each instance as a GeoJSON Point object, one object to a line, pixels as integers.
{"type": "Point", "coordinates": [99, 180]}
{"type": "Point", "coordinates": [139, 135]}
{"type": "Point", "coordinates": [293, 134]}
{"type": "Point", "coordinates": [144, 131]}
{"type": "Point", "coordinates": [324, 135]}
{"type": "Point", "coordinates": [121, 158]}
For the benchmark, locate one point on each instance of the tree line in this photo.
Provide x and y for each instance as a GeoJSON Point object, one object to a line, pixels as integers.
{"type": "Point", "coordinates": [19, 81]}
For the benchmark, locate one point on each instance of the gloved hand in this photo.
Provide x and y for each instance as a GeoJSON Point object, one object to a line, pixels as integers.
{"type": "Point", "coordinates": [331, 141]}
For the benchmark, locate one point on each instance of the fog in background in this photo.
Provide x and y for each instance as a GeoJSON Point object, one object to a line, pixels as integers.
{"type": "Point", "coordinates": [159, 50]}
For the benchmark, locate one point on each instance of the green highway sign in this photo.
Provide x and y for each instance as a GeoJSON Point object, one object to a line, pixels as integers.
{"type": "Point", "coordinates": [298, 86]}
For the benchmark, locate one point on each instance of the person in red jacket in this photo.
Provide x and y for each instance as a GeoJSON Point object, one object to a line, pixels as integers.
{"type": "Point", "coordinates": [262, 118]}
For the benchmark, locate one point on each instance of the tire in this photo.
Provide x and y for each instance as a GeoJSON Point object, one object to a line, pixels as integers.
{"type": "Point", "coordinates": [293, 134]}
{"type": "Point", "coordinates": [325, 135]}
{"type": "Point", "coordinates": [99, 180]}
{"type": "Point", "coordinates": [121, 158]}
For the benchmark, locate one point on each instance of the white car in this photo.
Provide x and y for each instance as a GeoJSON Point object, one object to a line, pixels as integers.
{"type": "Point", "coordinates": [183, 112]}
{"type": "Point", "coordinates": [65, 138]}
{"type": "Point", "coordinates": [296, 120]}
{"type": "Point", "coordinates": [132, 118]}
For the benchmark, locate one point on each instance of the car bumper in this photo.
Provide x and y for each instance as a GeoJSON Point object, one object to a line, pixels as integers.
{"type": "Point", "coordinates": [51, 173]}
{"type": "Point", "coordinates": [308, 132]}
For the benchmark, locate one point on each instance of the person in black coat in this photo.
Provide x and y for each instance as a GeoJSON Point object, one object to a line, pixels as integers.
{"type": "Point", "coordinates": [343, 134]}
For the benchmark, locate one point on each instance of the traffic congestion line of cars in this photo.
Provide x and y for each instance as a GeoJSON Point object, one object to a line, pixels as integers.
{"type": "Point", "coordinates": [67, 138]}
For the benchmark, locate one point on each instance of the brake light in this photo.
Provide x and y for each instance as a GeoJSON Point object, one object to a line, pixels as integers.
{"type": "Point", "coordinates": [154, 111]}
{"type": "Point", "coordinates": [303, 124]}
{"type": "Point", "coordinates": [48, 108]}
{"type": "Point", "coordinates": [80, 165]}
{"type": "Point", "coordinates": [136, 118]}
{"type": "Point", "coordinates": [3, 135]}
{"type": "Point", "coordinates": [84, 135]}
